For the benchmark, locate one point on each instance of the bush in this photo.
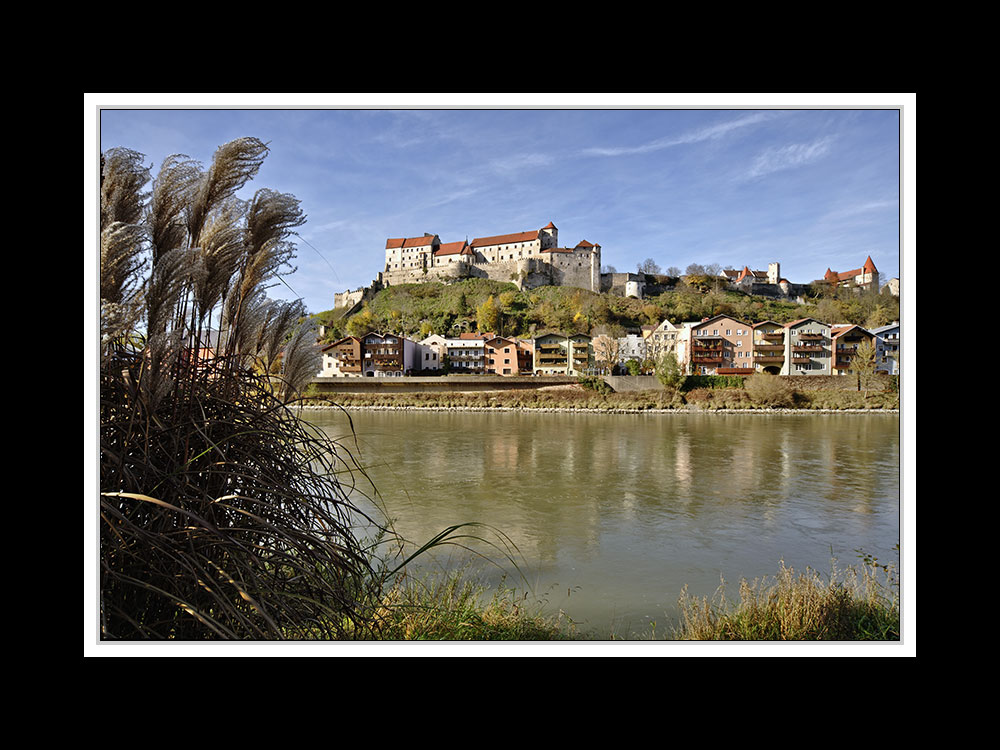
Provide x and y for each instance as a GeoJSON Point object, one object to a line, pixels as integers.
{"type": "Point", "coordinates": [595, 383]}
{"type": "Point", "coordinates": [770, 391]}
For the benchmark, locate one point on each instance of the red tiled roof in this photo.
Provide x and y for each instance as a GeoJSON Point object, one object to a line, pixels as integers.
{"type": "Point", "coordinates": [557, 250]}
{"type": "Point", "coordinates": [410, 242]}
{"type": "Point", "coordinates": [868, 267]}
{"type": "Point", "coordinates": [506, 239]}
{"type": "Point", "coordinates": [454, 248]}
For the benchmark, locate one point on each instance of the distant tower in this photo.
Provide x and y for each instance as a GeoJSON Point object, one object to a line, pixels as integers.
{"type": "Point", "coordinates": [773, 273]}
{"type": "Point", "coordinates": [549, 236]}
{"type": "Point", "coordinates": [869, 274]}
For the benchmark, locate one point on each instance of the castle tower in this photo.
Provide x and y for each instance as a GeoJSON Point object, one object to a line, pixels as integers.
{"type": "Point", "coordinates": [773, 273]}
{"type": "Point", "coordinates": [549, 236]}
{"type": "Point", "coordinates": [869, 274]}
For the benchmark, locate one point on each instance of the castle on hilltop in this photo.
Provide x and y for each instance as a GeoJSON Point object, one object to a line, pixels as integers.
{"type": "Point", "coordinates": [528, 259]}
{"type": "Point", "coordinates": [865, 277]}
{"type": "Point", "coordinates": [535, 258]}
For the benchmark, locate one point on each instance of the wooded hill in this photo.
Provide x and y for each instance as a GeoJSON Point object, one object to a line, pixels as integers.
{"type": "Point", "coordinates": [419, 310]}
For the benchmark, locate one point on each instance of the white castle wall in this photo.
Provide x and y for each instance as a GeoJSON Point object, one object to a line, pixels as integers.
{"type": "Point", "coordinates": [580, 268]}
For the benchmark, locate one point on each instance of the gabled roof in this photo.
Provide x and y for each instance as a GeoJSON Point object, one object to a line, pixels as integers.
{"type": "Point", "coordinates": [501, 338]}
{"type": "Point", "coordinates": [791, 323]}
{"type": "Point", "coordinates": [454, 248]}
{"type": "Point", "coordinates": [753, 274]}
{"type": "Point", "coordinates": [882, 329]}
{"type": "Point", "coordinates": [720, 317]}
{"type": "Point", "coordinates": [341, 341]}
{"type": "Point", "coordinates": [506, 239]}
{"type": "Point", "coordinates": [837, 331]}
{"type": "Point", "coordinates": [427, 239]}
{"type": "Point", "coordinates": [868, 267]}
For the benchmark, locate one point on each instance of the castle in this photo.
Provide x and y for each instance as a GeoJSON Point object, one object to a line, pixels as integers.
{"type": "Point", "coordinates": [865, 277]}
{"type": "Point", "coordinates": [529, 259]}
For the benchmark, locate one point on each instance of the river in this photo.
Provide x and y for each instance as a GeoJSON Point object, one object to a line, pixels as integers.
{"type": "Point", "coordinates": [612, 515]}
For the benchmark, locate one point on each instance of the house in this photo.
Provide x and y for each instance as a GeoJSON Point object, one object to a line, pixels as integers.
{"type": "Point", "coordinates": [633, 346]}
{"type": "Point", "coordinates": [887, 343]}
{"type": "Point", "coordinates": [464, 353]}
{"type": "Point", "coordinates": [807, 348]}
{"type": "Point", "coordinates": [506, 356]}
{"type": "Point", "coordinates": [386, 355]}
{"type": "Point", "coordinates": [844, 341]}
{"type": "Point", "coordinates": [342, 358]}
{"type": "Point", "coordinates": [721, 345]}
{"type": "Point", "coordinates": [559, 354]}
{"type": "Point", "coordinates": [768, 347]}
{"type": "Point", "coordinates": [662, 339]}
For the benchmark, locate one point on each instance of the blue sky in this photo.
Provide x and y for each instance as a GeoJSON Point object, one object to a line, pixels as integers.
{"type": "Point", "coordinates": [809, 188]}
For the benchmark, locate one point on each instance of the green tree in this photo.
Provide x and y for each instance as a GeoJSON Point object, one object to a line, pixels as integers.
{"type": "Point", "coordinates": [669, 372]}
{"type": "Point", "coordinates": [488, 316]}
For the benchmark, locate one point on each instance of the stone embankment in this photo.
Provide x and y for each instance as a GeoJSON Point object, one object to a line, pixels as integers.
{"type": "Point", "coordinates": [584, 410]}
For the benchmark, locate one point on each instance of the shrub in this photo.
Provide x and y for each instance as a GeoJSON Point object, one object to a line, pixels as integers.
{"type": "Point", "coordinates": [769, 390]}
{"type": "Point", "coordinates": [595, 383]}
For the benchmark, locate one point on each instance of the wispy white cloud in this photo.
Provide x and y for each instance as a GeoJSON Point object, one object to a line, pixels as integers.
{"type": "Point", "coordinates": [859, 209]}
{"type": "Point", "coordinates": [513, 164]}
{"type": "Point", "coordinates": [707, 133]}
{"type": "Point", "coordinates": [788, 157]}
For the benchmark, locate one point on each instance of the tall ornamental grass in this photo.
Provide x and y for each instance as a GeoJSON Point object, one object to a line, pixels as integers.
{"type": "Point", "coordinates": [222, 515]}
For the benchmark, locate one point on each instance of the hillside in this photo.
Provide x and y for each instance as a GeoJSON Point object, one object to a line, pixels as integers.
{"type": "Point", "coordinates": [418, 310]}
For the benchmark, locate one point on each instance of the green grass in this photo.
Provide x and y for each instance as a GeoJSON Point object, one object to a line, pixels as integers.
{"type": "Point", "coordinates": [455, 607]}
{"type": "Point", "coordinates": [861, 604]}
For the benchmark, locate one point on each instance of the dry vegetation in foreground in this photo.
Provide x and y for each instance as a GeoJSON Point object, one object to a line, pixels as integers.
{"type": "Point", "coordinates": [581, 397]}
{"type": "Point", "coordinates": [861, 604]}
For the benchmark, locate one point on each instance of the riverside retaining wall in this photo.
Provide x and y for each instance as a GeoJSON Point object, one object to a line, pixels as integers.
{"type": "Point", "coordinates": [441, 384]}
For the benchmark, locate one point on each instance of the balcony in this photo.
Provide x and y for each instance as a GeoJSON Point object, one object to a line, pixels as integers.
{"type": "Point", "coordinates": [769, 347]}
{"type": "Point", "coordinates": [807, 348]}
{"type": "Point", "coordinates": [768, 358]}
{"type": "Point", "coordinates": [811, 337]}
{"type": "Point", "coordinates": [707, 359]}
{"type": "Point", "coordinates": [773, 335]}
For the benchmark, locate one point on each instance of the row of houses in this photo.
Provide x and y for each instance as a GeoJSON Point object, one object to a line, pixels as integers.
{"type": "Point", "coordinates": [724, 345]}
{"type": "Point", "coordinates": [389, 355]}
{"type": "Point", "coordinates": [721, 345]}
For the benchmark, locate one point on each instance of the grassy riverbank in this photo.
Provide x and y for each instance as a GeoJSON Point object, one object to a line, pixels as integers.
{"type": "Point", "coordinates": [578, 397]}
{"type": "Point", "coordinates": [859, 603]}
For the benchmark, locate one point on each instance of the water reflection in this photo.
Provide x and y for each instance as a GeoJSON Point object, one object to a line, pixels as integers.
{"type": "Point", "coordinates": [624, 510]}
